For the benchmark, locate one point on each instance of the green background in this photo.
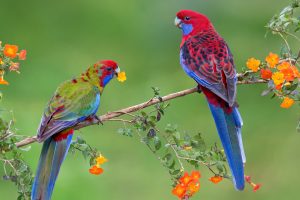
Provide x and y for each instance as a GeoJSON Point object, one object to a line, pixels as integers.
{"type": "Point", "coordinates": [64, 37]}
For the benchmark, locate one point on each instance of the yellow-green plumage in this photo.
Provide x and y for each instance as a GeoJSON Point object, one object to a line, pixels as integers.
{"type": "Point", "coordinates": [74, 101]}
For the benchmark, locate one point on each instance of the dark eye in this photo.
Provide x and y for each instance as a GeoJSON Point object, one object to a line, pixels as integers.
{"type": "Point", "coordinates": [187, 18]}
{"type": "Point", "coordinates": [109, 69]}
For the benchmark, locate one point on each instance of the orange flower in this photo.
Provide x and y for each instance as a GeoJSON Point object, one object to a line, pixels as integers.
{"type": "Point", "coordinates": [266, 73]}
{"type": "Point", "coordinates": [253, 64]}
{"type": "Point", "coordinates": [194, 187]}
{"type": "Point", "coordinates": [216, 179]}
{"type": "Point", "coordinates": [296, 72]}
{"type": "Point", "coordinates": [185, 179]}
{"type": "Point", "coordinates": [3, 82]}
{"type": "Point", "coordinates": [10, 50]}
{"type": "Point", "coordinates": [96, 170]}
{"type": "Point", "coordinates": [195, 175]}
{"type": "Point", "coordinates": [179, 190]}
{"type": "Point", "coordinates": [122, 76]}
{"type": "Point", "coordinates": [272, 59]}
{"type": "Point", "coordinates": [255, 187]}
{"type": "Point", "coordinates": [287, 102]}
{"type": "Point", "coordinates": [283, 65]}
{"type": "Point", "coordinates": [100, 160]}
{"type": "Point", "coordinates": [22, 54]}
{"type": "Point", "coordinates": [278, 78]}
{"type": "Point", "coordinates": [288, 74]}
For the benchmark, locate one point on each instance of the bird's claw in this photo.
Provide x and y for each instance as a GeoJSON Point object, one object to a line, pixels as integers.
{"type": "Point", "coordinates": [95, 119]}
{"type": "Point", "coordinates": [99, 121]}
{"type": "Point", "coordinates": [199, 89]}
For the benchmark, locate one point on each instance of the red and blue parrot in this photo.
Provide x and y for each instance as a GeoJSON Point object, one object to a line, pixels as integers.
{"type": "Point", "coordinates": [206, 58]}
{"type": "Point", "coordinates": [74, 101]}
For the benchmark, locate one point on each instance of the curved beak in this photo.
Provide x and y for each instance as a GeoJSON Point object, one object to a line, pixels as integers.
{"type": "Point", "coordinates": [178, 22]}
{"type": "Point", "coordinates": [117, 71]}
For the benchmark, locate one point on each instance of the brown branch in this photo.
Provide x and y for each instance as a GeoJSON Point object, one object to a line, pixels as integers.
{"type": "Point", "coordinates": [114, 114]}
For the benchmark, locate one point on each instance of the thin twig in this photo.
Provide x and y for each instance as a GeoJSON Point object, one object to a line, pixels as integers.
{"type": "Point", "coordinates": [126, 111]}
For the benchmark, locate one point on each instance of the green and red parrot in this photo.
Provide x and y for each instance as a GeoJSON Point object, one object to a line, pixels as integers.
{"type": "Point", "coordinates": [74, 101]}
{"type": "Point", "coordinates": [206, 58]}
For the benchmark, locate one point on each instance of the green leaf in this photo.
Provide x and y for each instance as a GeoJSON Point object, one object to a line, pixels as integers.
{"type": "Point", "coordinates": [157, 143]}
{"type": "Point", "coordinates": [175, 172]}
{"type": "Point", "coordinates": [167, 157]}
{"type": "Point", "coordinates": [198, 142]}
{"type": "Point", "coordinates": [220, 167]}
{"type": "Point", "coordinates": [25, 148]}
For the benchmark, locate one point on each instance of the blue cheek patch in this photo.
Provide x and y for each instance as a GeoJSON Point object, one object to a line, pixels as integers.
{"type": "Point", "coordinates": [187, 29]}
{"type": "Point", "coordinates": [107, 79]}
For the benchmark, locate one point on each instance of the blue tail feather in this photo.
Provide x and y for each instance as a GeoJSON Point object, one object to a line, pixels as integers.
{"type": "Point", "coordinates": [52, 155]}
{"type": "Point", "coordinates": [229, 129]}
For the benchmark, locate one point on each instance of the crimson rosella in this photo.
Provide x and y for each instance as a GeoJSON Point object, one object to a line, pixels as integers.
{"type": "Point", "coordinates": [205, 57]}
{"type": "Point", "coordinates": [73, 102]}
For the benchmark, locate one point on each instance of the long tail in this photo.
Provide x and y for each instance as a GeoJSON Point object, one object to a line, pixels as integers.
{"type": "Point", "coordinates": [53, 154]}
{"type": "Point", "coordinates": [229, 124]}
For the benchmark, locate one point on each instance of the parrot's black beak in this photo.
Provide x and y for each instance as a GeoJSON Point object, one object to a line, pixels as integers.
{"type": "Point", "coordinates": [178, 22]}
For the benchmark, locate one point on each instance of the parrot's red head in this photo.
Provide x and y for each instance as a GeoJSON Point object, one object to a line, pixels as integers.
{"type": "Point", "coordinates": [191, 23]}
{"type": "Point", "coordinates": [106, 69]}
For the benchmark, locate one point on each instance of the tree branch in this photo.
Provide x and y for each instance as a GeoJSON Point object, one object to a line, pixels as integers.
{"type": "Point", "coordinates": [114, 114]}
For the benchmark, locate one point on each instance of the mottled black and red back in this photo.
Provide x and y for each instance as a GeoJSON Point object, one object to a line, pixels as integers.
{"type": "Point", "coordinates": [209, 59]}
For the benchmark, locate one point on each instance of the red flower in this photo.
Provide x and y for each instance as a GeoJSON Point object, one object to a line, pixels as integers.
{"type": "Point", "coordinates": [266, 73]}
{"type": "Point", "coordinates": [185, 179]}
{"type": "Point", "coordinates": [248, 179]}
{"type": "Point", "coordinates": [179, 190]}
{"type": "Point", "coordinates": [22, 54]}
{"type": "Point", "coordinates": [195, 175]}
{"type": "Point", "coordinates": [256, 187]}
{"type": "Point", "coordinates": [194, 187]}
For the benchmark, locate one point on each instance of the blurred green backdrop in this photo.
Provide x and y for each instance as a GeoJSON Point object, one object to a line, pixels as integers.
{"type": "Point", "coordinates": [63, 37]}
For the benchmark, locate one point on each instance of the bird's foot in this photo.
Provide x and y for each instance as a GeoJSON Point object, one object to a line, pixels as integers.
{"type": "Point", "coordinates": [199, 89]}
{"type": "Point", "coordinates": [95, 119]}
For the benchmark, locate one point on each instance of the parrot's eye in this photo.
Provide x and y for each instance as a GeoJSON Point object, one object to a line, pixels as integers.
{"type": "Point", "coordinates": [109, 69]}
{"type": "Point", "coordinates": [187, 18]}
